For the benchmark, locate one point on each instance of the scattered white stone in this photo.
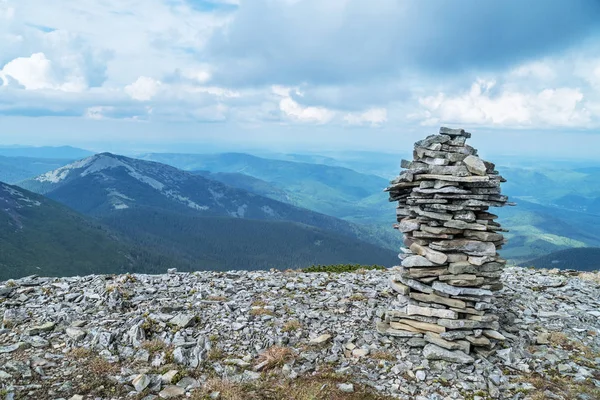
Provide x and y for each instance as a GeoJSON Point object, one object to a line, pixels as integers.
{"type": "Point", "coordinates": [171, 392]}
{"type": "Point", "coordinates": [75, 334]}
{"type": "Point", "coordinates": [320, 339]}
{"type": "Point", "coordinates": [140, 382]}
{"type": "Point", "coordinates": [346, 387]}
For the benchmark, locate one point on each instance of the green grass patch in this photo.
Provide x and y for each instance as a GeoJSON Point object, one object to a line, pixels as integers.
{"type": "Point", "coordinates": [339, 268]}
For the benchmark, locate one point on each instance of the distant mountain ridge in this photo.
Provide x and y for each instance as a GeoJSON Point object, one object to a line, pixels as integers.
{"type": "Point", "coordinates": [354, 184]}
{"type": "Point", "coordinates": [336, 191]}
{"type": "Point", "coordinates": [106, 182]}
{"type": "Point", "coordinates": [202, 222]}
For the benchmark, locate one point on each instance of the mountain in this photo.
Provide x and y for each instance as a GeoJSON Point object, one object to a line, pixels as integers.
{"type": "Point", "coordinates": [40, 236]}
{"type": "Point", "coordinates": [16, 169]}
{"type": "Point", "coordinates": [104, 183]}
{"type": "Point", "coordinates": [558, 202]}
{"type": "Point", "coordinates": [227, 243]}
{"type": "Point", "coordinates": [537, 230]}
{"type": "Point", "coordinates": [383, 164]}
{"type": "Point", "coordinates": [202, 221]}
{"type": "Point", "coordinates": [68, 152]}
{"type": "Point", "coordinates": [582, 259]}
{"type": "Point", "coordinates": [249, 183]}
{"type": "Point", "coordinates": [336, 191]}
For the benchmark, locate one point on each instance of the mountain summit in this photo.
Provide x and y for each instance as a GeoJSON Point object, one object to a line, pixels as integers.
{"type": "Point", "coordinates": [203, 222]}
{"type": "Point", "coordinates": [104, 183]}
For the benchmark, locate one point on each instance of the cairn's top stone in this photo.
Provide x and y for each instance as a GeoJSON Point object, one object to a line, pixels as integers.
{"type": "Point", "coordinates": [450, 266]}
{"type": "Point", "coordinates": [454, 132]}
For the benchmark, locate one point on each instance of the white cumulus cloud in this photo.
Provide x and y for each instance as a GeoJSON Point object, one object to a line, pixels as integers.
{"type": "Point", "coordinates": [38, 72]}
{"type": "Point", "coordinates": [485, 104]}
{"type": "Point", "coordinates": [293, 110]}
{"type": "Point", "coordinates": [143, 89]}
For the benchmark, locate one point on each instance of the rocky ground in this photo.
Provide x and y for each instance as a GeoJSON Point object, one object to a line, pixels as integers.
{"type": "Point", "coordinates": [280, 335]}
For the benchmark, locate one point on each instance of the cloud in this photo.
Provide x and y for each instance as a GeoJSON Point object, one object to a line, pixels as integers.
{"type": "Point", "coordinates": [335, 42]}
{"type": "Point", "coordinates": [33, 72]}
{"type": "Point", "coordinates": [143, 89]}
{"type": "Point", "coordinates": [296, 112]}
{"type": "Point", "coordinates": [37, 72]}
{"type": "Point", "coordinates": [6, 12]}
{"type": "Point", "coordinates": [536, 70]}
{"type": "Point", "coordinates": [482, 105]}
{"type": "Point", "coordinates": [118, 113]}
{"type": "Point", "coordinates": [307, 66]}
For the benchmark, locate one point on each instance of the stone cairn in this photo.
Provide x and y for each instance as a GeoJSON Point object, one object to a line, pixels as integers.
{"type": "Point", "coordinates": [450, 267]}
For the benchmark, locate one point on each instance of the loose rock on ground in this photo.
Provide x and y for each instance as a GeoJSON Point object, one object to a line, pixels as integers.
{"type": "Point", "coordinates": [165, 336]}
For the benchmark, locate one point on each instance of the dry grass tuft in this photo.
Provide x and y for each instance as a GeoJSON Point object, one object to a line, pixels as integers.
{"type": "Point", "coordinates": [382, 355]}
{"type": "Point", "coordinates": [217, 298]}
{"type": "Point", "coordinates": [154, 346]}
{"type": "Point", "coordinates": [215, 354]}
{"type": "Point", "coordinates": [80, 353]}
{"type": "Point", "coordinates": [562, 340]}
{"type": "Point", "coordinates": [100, 367]}
{"type": "Point", "coordinates": [563, 386]}
{"type": "Point", "coordinates": [357, 297]}
{"type": "Point", "coordinates": [228, 390]}
{"type": "Point", "coordinates": [590, 276]}
{"type": "Point", "coordinates": [558, 339]}
{"type": "Point", "coordinates": [276, 356]}
{"type": "Point", "coordinates": [257, 311]}
{"type": "Point", "coordinates": [316, 387]}
{"type": "Point", "coordinates": [291, 326]}
{"type": "Point", "coordinates": [259, 303]}
{"type": "Point", "coordinates": [98, 377]}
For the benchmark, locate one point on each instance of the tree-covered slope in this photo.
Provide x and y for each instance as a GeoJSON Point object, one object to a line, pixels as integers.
{"type": "Point", "coordinates": [581, 259]}
{"type": "Point", "coordinates": [40, 236]}
{"type": "Point", "coordinates": [223, 243]}
{"type": "Point", "coordinates": [204, 223]}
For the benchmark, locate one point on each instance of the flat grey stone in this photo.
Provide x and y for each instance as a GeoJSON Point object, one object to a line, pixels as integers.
{"type": "Point", "coordinates": [417, 261]}
{"type": "Point", "coordinates": [184, 320]}
{"type": "Point", "coordinates": [75, 333]}
{"type": "Point", "coordinates": [141, 382]}
{"type": "Point", "coordinates": [433, 352]}
{"type": "Point", "coordinates": [171, 392]}
{"type": "Point", "coordinates": [475, 165]}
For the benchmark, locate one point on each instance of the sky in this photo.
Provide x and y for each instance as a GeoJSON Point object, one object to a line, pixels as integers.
{"type": "Point", "coordinates": [301, 75]}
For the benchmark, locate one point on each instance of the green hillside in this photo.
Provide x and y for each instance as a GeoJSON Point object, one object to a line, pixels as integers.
{"type": "Point", "coordinates": [233, 243]}
{"type": "Point", "coordinates": [583, 259]}
{"type": "Point", "coordinates": [40, 236]}
{"type": "Point", "coordinates": [336, 191]}
{"type": "Point", "coordinates": [203, 223]}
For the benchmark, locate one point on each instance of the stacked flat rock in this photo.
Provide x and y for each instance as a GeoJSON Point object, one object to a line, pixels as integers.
{"type": "Point", "coordinates": [450, 266]}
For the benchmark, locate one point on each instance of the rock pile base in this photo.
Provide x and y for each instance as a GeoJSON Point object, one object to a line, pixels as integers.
{"type": "Point", "coordinates": [450, 266]}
